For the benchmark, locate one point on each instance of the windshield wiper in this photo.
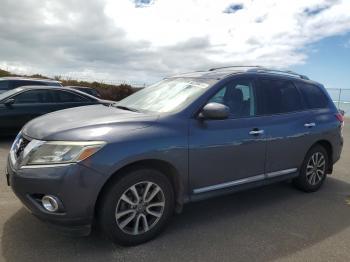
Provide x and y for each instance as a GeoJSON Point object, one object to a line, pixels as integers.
{"type": "Point", "coordinates": [127, 108]}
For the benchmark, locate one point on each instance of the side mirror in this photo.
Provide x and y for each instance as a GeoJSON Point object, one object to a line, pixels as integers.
{"type": "Point", "coordinates": [9, 102]}
{"type": "Point", "coordinates": [214, 111]}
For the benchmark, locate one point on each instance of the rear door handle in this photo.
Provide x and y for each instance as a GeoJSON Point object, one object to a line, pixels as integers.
{"type": "Point", "coordinates": [310, 124]}
{"type": "Point", "coordinates": [256, 132]}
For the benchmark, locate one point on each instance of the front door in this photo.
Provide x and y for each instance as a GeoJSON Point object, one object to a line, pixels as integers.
{"type": "Point", "coordinates": [230, 152]}
{"type": "Point", "coordinates": [27, 105]}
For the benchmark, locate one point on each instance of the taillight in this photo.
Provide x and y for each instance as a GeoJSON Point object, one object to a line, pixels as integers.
{"type": "Point", "coordinates": [340, 117]}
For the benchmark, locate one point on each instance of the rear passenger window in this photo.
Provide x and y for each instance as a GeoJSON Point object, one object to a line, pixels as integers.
{"type": "Point", "coordinates": [68, 97]}
{"type": "Point", "coordinates": [280, 96]}
{"type": "Point", "coordinates": [313, 95]}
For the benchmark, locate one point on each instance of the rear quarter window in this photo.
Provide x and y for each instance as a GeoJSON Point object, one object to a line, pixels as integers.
{"type": "Point", "coordinates": [313, 95]}
{"type": "Point", "coordinates": [93, 92]}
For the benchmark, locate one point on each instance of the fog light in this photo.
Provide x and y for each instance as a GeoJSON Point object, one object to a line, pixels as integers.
{"type": "Point", "coordinates": [50, 203]}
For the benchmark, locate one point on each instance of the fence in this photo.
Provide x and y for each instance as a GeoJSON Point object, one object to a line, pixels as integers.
{"type": "Point", "coordinates": [341, 98]}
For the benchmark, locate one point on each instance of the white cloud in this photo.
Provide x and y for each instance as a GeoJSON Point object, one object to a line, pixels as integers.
{"type": "Point", "coordinates": [147, 39]}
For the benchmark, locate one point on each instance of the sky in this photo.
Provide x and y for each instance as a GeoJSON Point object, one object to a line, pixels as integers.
{"type": "Point", "coordinates": [143, 41]}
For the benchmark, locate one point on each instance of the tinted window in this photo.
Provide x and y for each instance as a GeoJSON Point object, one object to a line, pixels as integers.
{"type": "Point", "coordinates": [68, 97]}
{"type": "Point", "coordinates": [33, 96]}
{"type": "Point", "coordinates": [52, 84]}
{"type": "Point", "coordinates": [18, 83]}
{"type": "Point", "coordinates": [313, 95]}
{"type": "Point", "coordinates": [280, 96]}
{"type": "Point", "coordinates": [89, 91]}
{"type": "Point", "coordinates": [239, 97]}
{"type": "Point", "coordinates": [4, 85]}
{"type": "Point", "coordinates": [94, 93]}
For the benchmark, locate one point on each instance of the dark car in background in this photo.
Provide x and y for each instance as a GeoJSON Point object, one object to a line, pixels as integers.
{"type": "Point", "coordinates": [129, 166]}
{"type": "Point", "coordinates": [22, 104]}
{"type": "Point", "coordinates": [88, 90]}
{"type": "Point", "coordinates": [9, 83]}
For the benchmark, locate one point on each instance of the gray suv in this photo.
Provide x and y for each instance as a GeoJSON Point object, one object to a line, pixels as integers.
{"type": "Point", "coordinates": [127, 167]}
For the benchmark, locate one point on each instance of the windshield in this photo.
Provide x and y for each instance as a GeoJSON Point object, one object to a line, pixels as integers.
{"type": "Point", "coordinates": [166, 96]}
{"type": "Point", "coordinates": [9, 93]}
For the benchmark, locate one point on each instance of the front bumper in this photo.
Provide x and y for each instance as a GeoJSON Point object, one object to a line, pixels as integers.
{"type": "Point", "coordinates": [77, 187]}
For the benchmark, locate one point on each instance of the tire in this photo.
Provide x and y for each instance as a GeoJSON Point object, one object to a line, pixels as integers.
{"type": "Point", "coordinates": [312, 176]}
{"type": "Point", "coordinates": [148, 216]}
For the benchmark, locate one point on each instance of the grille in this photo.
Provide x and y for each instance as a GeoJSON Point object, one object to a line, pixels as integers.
{"type": "Point", "coordinates": [22, 143]}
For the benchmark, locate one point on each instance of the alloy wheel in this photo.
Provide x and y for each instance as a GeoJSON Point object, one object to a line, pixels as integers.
{"type": "Point", "coordinates": [316, 168]}
{"type": "Point", "coordinates": [139, 208]}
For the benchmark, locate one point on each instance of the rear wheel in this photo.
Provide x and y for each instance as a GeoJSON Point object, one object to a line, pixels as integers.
{"type": "Point", "coordinates": [135, 208]}
{"type": "Point", "coordinates": [314, 170]}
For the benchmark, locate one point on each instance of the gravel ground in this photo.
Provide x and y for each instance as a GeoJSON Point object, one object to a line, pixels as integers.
{"type": "Point", "coordinates": [271, 223]}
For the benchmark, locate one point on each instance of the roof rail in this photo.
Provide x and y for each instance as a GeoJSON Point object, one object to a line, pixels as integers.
{"type": "Point", "coordinates": [276, 71]}
{"type": "Point", "coordinates": [235, 66]}
{"type": "Point", "coordinates": [261, 69]}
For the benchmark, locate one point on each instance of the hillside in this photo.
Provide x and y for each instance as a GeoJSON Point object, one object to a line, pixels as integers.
{"type": "Point", "coordinates": [108, 91]}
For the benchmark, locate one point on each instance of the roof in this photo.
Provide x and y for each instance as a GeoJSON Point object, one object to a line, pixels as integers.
{"type": "Point", "coordinates": [223, 72]}
{"type": "Point", "coordinates": [28, 79]}
{"type": "Point", "coordinates": [206, 74]}
{"type": "Point", "coordinates": [79, 87]}
{"type": "Point", "coordinates": [33, 87]}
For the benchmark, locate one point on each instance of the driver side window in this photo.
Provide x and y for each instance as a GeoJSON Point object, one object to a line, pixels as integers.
{"type": "Point", "coordinates": [239, 97]}
{"type": "Point", "coordinates": [33, 97]}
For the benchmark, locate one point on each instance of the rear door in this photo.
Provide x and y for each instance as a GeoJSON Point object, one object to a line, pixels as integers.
{"type": "Point", "coordinates": [67, 99]}
{"type": "Point", "coordinates": [285, 117]}
{"type": "Point", "coordinates": [322, 120]}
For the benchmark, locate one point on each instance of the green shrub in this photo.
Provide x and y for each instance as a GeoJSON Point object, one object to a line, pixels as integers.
{"type": "Point", "coordinates": [107, 91]}
{"type": "Point", "coordinates": [4, 73]}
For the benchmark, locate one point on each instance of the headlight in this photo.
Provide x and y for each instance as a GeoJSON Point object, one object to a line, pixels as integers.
{"type": "Point", "coordinates": [59, 152]}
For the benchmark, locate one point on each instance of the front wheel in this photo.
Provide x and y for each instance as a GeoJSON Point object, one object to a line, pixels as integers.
{"type": "Point", "coordinates": [314, 170]}
{"type": "Point", "coordinates": [135, 208]}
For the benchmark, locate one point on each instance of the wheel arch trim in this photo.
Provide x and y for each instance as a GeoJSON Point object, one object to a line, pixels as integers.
{"type": "Point", "coordinates": [327, 145]}
{"type": "Point", "coordinates": [169, 170]}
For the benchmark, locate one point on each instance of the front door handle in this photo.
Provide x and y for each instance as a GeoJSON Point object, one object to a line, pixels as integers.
{"type": "Point", "coordinates": [256, 132]}
{"type": "Point", "coordinates": [310, 124]}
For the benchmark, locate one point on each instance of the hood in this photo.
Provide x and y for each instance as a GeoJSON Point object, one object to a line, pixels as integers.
{"type": "Point", "coordinates": [96, 122]}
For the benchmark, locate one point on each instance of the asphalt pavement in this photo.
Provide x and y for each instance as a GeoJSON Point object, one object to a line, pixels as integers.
{"type": "Point", "coordinates": [271, 223]}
